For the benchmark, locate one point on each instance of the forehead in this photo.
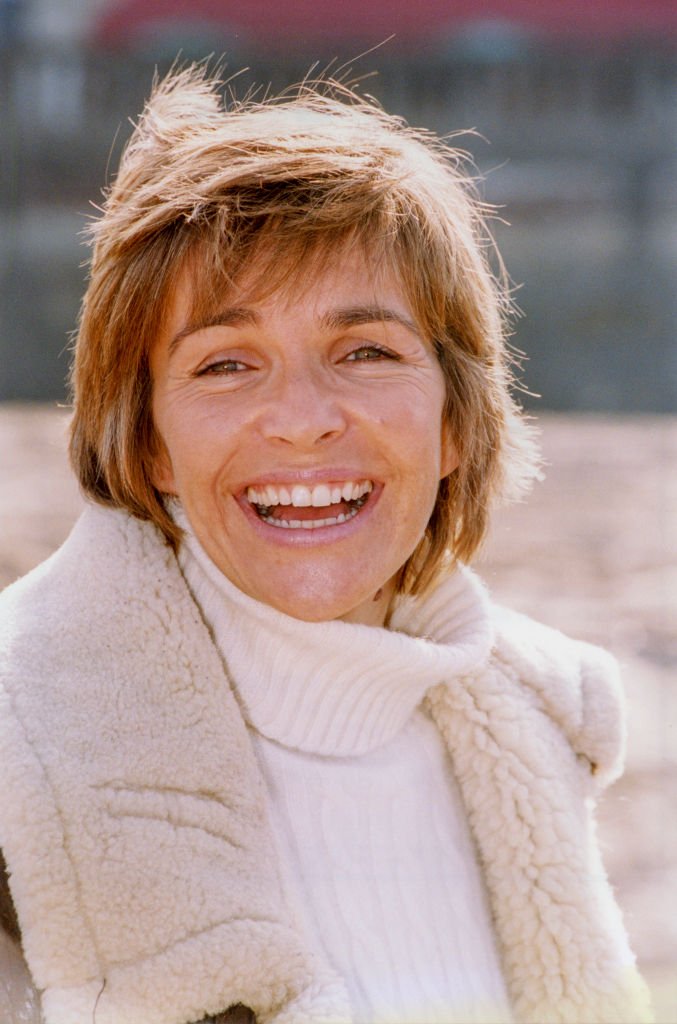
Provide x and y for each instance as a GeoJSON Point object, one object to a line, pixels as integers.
{"type": "Point", "coordinates": [324, 275]}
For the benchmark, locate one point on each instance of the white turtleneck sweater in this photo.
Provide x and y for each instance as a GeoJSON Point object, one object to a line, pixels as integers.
{"type": "Point", "coordinates": [372, 835]}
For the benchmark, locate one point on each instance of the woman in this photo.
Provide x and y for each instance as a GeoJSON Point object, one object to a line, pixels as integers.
{"type": "Point", "coordinates": [271, 752]}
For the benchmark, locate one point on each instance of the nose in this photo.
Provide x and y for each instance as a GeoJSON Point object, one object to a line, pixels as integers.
{"type": "Point", "coordinates": [304, 411]}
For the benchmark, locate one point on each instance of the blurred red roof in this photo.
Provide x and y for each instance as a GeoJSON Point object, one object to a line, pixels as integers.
{"type": "Point", "coordinates": [276, 23]}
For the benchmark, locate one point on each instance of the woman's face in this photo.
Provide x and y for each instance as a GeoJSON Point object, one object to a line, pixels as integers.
{"type": "Point", "coordinates": [303, 436]}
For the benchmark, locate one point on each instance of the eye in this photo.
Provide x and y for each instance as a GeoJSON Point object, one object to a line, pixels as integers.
{"type": "Point", "coordinates": [370, 353]}
{"type": "Point", "coordinates": [222, 368]}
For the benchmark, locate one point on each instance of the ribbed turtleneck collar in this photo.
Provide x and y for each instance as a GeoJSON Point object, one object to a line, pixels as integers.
{"type": "Point", "coordinates": [337, 688]}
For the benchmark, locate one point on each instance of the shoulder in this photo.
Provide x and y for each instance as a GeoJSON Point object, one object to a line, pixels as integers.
{"type": "Point", "coordinates": [109, 560]}
{"type": "Point", "coordinates": [576, 683]}
{"type": "Point", "coordinates": [105, 547]}
{"type": "Point", "coordinates": [97, 612]}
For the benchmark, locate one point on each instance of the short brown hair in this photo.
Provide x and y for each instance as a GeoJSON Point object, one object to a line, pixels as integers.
{"type": "Point", "coordinates": [281, 182]}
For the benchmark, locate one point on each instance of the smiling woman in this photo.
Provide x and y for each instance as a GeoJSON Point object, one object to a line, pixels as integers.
{"type": "Point", "coordinates": [269, 751]}
{"type": "Point", "coordinates": [327, 396]}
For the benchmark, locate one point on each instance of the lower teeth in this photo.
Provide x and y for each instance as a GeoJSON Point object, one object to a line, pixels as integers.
{"type": "Point", "coordinates": [311, 524]}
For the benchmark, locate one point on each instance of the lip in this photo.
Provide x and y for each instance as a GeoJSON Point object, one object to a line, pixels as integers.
{"type": "Point", "coordinates": [320, 535]}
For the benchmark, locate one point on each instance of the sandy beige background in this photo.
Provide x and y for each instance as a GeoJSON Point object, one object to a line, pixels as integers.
{"type": "Point", "coordinates": [593, 552]}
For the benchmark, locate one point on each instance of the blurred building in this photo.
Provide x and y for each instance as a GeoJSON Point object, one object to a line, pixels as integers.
{"type": "Point", "coordinates": [574, 106]}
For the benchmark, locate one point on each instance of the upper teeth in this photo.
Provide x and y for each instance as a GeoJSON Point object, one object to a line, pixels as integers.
{"type": "Point", "coordinates": [302, 496]}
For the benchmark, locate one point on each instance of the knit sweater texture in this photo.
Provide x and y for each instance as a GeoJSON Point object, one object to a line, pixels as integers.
{"type": "Point", "coordinates": [136, 826]}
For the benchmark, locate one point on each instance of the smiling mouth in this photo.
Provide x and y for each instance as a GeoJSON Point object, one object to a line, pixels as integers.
{"type": "Point", "coordinates": [298, 507]}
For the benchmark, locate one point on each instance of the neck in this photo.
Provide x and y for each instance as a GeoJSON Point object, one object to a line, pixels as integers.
{"type": "Point", "coordinates": [374, 611]}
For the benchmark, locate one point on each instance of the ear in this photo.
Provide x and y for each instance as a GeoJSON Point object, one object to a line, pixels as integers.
{"type": "Point", "coordinates": [449, 459]}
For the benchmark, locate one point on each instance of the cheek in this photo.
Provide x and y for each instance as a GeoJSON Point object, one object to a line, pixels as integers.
{"type": "Point", "coordinates": [195, 442]}
{"type": "Point", "coordinates": [441, 436]}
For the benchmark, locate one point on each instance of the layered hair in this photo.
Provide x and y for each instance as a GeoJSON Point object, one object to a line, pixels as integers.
{"type": "Point", "coordinates": [273, 188]}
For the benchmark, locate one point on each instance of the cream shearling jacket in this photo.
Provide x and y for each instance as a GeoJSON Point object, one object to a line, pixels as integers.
{"type": "Point", "coordinates": [134, 824]}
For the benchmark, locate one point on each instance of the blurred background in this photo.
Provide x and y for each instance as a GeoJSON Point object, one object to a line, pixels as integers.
{"type": "Point", "coordinates": [573, 105]}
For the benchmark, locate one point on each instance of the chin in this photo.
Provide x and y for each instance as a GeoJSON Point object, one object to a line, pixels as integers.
{"type": "Point", "coordinates": [313, 609]}
{"type": "Point", "coordinates": [318, 600]}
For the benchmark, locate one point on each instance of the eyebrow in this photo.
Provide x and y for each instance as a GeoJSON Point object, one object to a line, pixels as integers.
{"type": "Point", "coordinates": [353, 316]}
{"type": "Point", "coordinates": [335, 319]}
{"type": "Point", "coordinates": [234, 316]}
